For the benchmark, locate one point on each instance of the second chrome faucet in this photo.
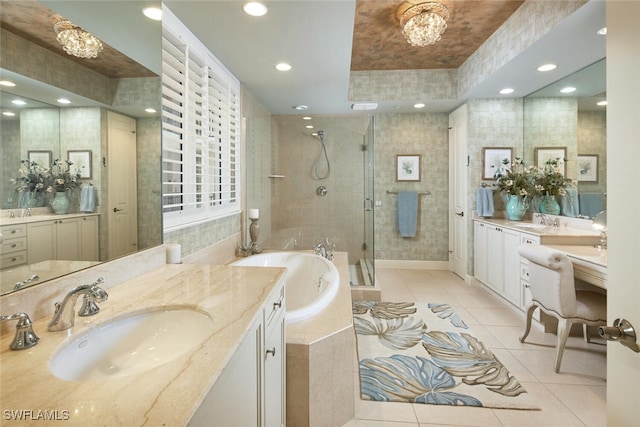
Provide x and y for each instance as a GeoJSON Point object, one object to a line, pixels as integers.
{"type": "Point", "coordinates": [64, 316]}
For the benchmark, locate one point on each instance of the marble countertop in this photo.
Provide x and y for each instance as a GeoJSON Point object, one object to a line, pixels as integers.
{"type": "Point", "coordinates": [165, 395]}
{"type": "Point", "coordinates": [5, 220]}
{"type": "Point", "coordinates": [561, 235]}
{"type": "Point", "coordinates": [45, 270]}
{"type": "Point", "coordinates": [587, 254]}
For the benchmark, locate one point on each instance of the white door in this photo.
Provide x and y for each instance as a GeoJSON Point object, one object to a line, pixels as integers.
{"type": "Point", "coordinates": [623, 205]}
{"type": "Point", "coordinates": [458, 215]}
{"type": "Point", "coordinates": [122, 197]}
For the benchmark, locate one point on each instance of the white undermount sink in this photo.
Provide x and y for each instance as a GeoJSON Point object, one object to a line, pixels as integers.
{"type": "Point", "coordinates": [131, 344]}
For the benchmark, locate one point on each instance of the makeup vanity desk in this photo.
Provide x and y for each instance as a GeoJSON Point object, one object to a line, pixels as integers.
{"type": "Point", "coordinates": [589, 263]}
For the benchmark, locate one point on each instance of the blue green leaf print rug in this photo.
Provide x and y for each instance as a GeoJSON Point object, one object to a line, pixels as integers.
{"type": "Point", "coordinates": [425, 353]}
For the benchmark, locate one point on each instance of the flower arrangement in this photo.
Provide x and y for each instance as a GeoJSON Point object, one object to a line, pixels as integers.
{"type": "Point", "coordinates": [33, 177]}
{"type": "Point", "coordinates": [515, 178]}
{"type": "Point", "coordinates": [549, 180]}
{"type": "Point", "coordinates": [63, 178]}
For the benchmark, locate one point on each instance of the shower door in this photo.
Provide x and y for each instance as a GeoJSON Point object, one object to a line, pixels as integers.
{"type": "Point", "coordinates": [368, 269]}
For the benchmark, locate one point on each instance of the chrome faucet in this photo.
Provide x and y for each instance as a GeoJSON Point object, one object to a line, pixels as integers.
{"type": "Point", "coordinates": [64, 316]}
{"type": "Point", "coordinates": [321, 250]}
{"type": "Point", "coordinates": [25, 337]}
{"type": "Point", "coordinates": [545, 220]}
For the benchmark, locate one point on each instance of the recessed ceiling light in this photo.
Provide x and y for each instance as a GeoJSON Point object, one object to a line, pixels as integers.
{"type": "Point", "coordinates": [419, 105]}
{"type": "Point", "coordinates": [154, 13]}
{"type": "Point", "coordinates": [63, 101]}
{"type": "Point", "coordinates": [602, 31]}
{"type": "Point", "coordinates": [255, 8]}
{"type": "Point", "coordinates": [506, 91]}
{"type": "Point", "coordinates": [8, 113]}
{"type": "Point", "coordinates": [300, 107]}
{"type": "Point", "coordinates": [568, 89]}
{"type": "Point", "coordinates": [306, 118]}
{"type": "Point", "coordinates": [18, 102]}
{"type": "Point", "coordinates": [283, 66]}
{"type": "Point", "coordinates": [602, 103]}
{"type": "Point", "coordinates": [309, 126]}
{"type": "Point", "coordinates": [364, 106]}
{"type": "Point", "coordinates": [150, 110]}
{"type": "Point", "coordinates": [547, 67]}
{"type": "Point", "coordinates": [7, 83]}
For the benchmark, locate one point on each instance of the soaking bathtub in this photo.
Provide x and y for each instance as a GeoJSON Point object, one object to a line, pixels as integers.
{"type": "Point", "coordinates": [311, 281]}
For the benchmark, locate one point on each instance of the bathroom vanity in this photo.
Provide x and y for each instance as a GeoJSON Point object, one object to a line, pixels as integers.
{"type": "Point", "coordinates": [498, 265]}
{"type": "Point", "coordinates": [235, 369]}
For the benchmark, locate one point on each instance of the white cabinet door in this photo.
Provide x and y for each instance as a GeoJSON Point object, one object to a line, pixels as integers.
{"type": "Point", "coordinates": [41, 241]}
{"type": "Point", "coordinates": [274, 376]}
{"type": "Point", "coordinates": [480, 251]}
{"type": "Point", "coordinates": [494, 258]}
{"type": "Point", "coordinates": [68, 239]}
{"type": "Point", "coordinates": [511, 289]}
{"type": "Point", "coordinates": [89, 240]}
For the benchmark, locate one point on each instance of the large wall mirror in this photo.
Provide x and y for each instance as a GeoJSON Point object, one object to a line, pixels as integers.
{"type": "Point", "coordinates": [123, 81]}
{"type": "Point", "coordinates": [569, 117]}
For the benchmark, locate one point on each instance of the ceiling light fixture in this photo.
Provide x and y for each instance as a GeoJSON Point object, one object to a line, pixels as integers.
{"type": "Point", "coordinates": [547, 67]}
{"type": "Point", "coordinates": [63, 101]}
{"type": "Point", "coordinates": [8, 113]}
{"type": "Point", "coordinates": [300, 107]}
{"type": "Point", "coordinates": [306, 118]}
{"type": "Point", "coordinates": [506, 91]}
{"type": "Point", "coordinates": [18, 102]}
{"type": "Point", "coordinates": [602, 31]}
{"type": "Point", "coordinates": [154, 13]}
{"type": "Point", "coordinates": [76, 41]}
{"type": "Point", "coordinates": [568, 89]}
{"type": "Point", "coordinates": [255, 8]}
{"type": "Point", "coordinates": [283, 66]}
{"type": "Point", "coordinates": [423, 24]}
{"type": "Point", "coordinates": [7, 83]}
{"type": "Point", "coordinates": [419, 105]}
{"type": "Point", "coordinates": [602, 103]}
{"type": "Point", "coordinates": [150, 110]}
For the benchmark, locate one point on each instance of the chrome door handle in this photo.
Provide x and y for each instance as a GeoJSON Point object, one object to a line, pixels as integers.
{"type": "Point", "coordinates": [272, 351]}
{"type": "Point", "coordinates": [117, 210]}
{"type": "Point", "coordinates": [460, 213]}
{"type": "Point", "coordinates": [621, 331]}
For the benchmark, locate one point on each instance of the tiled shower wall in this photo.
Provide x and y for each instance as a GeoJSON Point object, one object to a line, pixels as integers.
{"type": "Point", "coordinates": [592, 139]}
{"type": "Point", "coordinates": [297, 211]}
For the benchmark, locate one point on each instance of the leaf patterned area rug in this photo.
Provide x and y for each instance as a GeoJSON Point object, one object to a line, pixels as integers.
{"type": "Point", "coordinates": [424, 353]}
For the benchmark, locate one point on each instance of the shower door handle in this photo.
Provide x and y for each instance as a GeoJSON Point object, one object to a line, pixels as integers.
{"type": "Point", "coordinates": [368, 204]}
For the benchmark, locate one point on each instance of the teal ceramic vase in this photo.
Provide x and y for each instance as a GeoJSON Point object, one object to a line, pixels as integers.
{"type": "Point", "coordinates": [516, 207]}
{"type": "Point", "coordinates": [549, 205]}
{"type": "Point", "coordinates": [60, 203]}
{"type": "Point", "coordinates": [32, 199]}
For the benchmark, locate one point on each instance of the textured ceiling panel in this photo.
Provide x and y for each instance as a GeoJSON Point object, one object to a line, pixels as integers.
{"type": "Point", "coordinates": [378, 43]}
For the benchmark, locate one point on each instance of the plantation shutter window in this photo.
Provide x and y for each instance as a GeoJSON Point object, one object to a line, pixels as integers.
{"type": "Point", "coordinates": [201, 132]}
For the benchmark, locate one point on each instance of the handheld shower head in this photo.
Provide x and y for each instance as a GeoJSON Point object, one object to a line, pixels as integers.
{"type": "Point", "coordinates": [320, 133]}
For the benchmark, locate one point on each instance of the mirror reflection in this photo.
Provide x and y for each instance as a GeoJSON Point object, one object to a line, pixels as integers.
{"type": "Point", "coordinates": [568, 118]}
{"type": "Point", "coordinates": [108, 127]}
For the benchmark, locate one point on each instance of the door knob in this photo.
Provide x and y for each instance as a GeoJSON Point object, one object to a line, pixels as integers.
{"type": "Point", "coordinates": [621, 331]}
{"type": "Point", "coordinates": [116, 210]}
{"type": "Point", "coordinates": [460, 213]}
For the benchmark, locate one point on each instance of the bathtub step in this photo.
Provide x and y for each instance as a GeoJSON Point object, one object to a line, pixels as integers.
{"type": "Point", "coordinates": [354, 277]}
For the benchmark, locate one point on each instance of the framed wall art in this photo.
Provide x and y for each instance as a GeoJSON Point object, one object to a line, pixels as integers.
{"type": "Point", "coordinates": [408, 167]}
{"type": "Point", "coordinates": [81, 159]}
{"type": "Point", "coordinates": [588, 167]}
{"type": "Point", "coordinates": [544, 154]}
{"type": "Point", "coordinates": [41, 157]}
{"type": "Point", "coordinates": [493, 159]}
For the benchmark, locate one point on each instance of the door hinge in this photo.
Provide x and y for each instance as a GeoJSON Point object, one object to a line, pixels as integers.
{"type": "Point", "coordinates": [364, 246]}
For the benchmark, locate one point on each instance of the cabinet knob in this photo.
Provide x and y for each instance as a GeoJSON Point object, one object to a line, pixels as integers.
{"type": "Point", "coordinates": [13, 231]}
{"type": "Point", "coordinates": [272, 352]}
{"type": "Point", "coordinates": [14, 245]}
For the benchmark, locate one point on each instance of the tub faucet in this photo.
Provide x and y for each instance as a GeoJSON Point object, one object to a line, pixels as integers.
{"type": "Point", "coordinates": [321, 250]}
{"type": "Point", "coordinates": [64, 316]}
{"type": "Point", "coordinates": [25, 337]}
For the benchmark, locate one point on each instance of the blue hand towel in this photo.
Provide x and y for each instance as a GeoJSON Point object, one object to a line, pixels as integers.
{"type": "Point", "coordinates": [87, 199]}
{"type": "Point", "coordinates": [484, 201]}
{"type": "Point", "coordinates": [407, 213]}
{"type": "Point", "coordinates": [590, 204]}
{"type": "Point", "coordinates": [569, 203]}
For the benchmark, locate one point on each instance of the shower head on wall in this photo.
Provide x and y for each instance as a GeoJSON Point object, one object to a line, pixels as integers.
{"type": "Point", "coordinates": [320, 134]}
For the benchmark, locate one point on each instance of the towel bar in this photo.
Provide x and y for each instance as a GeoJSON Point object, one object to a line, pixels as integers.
{"type": "Point", "coordinates": [422, 193]}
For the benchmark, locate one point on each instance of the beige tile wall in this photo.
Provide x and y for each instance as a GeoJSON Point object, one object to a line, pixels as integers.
{"type": "Point", "coordinates": [426, 135]}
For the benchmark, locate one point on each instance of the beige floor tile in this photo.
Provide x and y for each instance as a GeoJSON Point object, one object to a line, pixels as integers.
{"type": "Point", "coordinates": [496, 316]}
{"type": "Point", "coordinates": [369, 423]}
{"type": "Point", "coordinates": [509, 337]}
{"type": "Point", "coordinates": [385, 411]}
{"type": "Point", "coordinates": [578, 366]}
{"type": "Point", "coordinates": [456, 416]}
{"type": "Point", "coordinates": [588, 403]}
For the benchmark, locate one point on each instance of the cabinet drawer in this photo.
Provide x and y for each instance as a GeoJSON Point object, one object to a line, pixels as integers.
{"type": "Point", "coordinates": [524, 271]}
{"type": "Point", "coordinates": [13, 260]}
{"type": "Point", "coordinates": [13, 245]}
{"type": "Point", "coordinates": [529, 239]}
{"type": "Point", "coordinates": [274, 307]}
{"type": "Point", "coordinates": [14, 231]}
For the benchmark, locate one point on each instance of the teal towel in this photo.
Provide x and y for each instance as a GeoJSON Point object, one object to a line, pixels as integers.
{"type": "Point", "coordinates": [590, 204]}
{"type": "Point", "coordinates": [569, 203]}
{"type": "Point", "coordinates": [484, 201]}
{"type": "Point", "coordinates": [407, 213]}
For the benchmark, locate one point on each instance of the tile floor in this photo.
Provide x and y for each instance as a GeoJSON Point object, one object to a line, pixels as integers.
{"type": "Point", "coordinates": [574, 397]}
